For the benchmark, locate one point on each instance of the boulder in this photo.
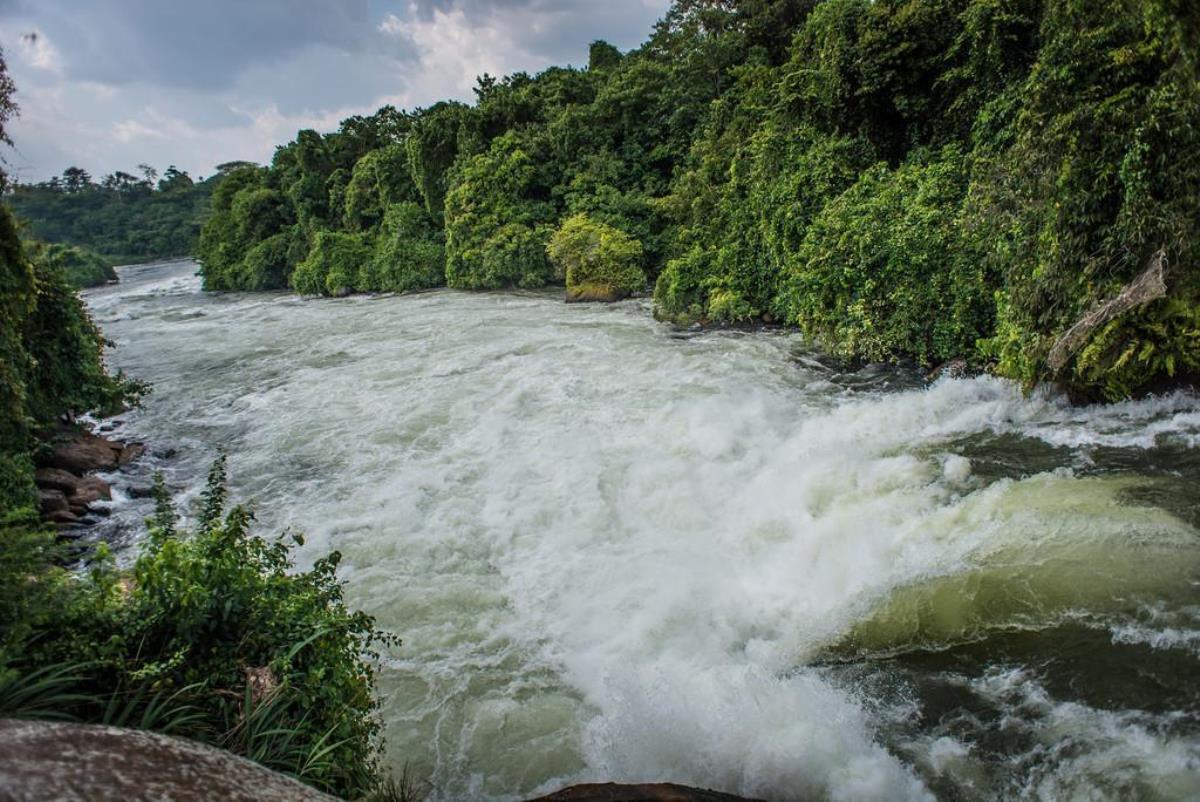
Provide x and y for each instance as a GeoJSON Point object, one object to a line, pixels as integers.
{"type": "Point", "coordinates": [56, 479]}
{"type": "Point", "coordinates": [653, 792]}
{"type": "Point", "coordinates": [51, 501]}
{"type": "Point", "coordinates": [86, 452]}
{"type": "Point", "coordinates": [43, 760]}
{"type": "Point", "coordinates": [597, 262]}
{"type": "Point", "coordinates": [600, 293]}
{"type": "Point", "coordinates": [130, 452]}
{"type": "Point", "coordinates": [91, 488]}
{"type": "Point", "coordinates": [62, 517]}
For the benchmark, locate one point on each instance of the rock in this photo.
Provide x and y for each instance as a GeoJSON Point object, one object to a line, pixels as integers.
{"type": "Point", "coordinates": [600, 293]}
{"type": "Point", "coordinates": [130, 452]}
{"type": "Point", "coordinates": [955, 369]}
{"type": "Point", "coordinates": [91, 488]}
{"type": "Point", "coordinates": [165, 453]}
{"type": "Point", "coordinates": [62, 517]}
{"type": "Point", "coordinates": [654, 792]}
{"type": "Point", "coordinates": [56, 479]}
{"type": "Point", "coordinates": [140, 491]}
{"type": "Point", "coordinates": [42, 760]}
{"type": "Point", "coordinates": [86, 452]}
{"type": "Point", "coordinates": [52, 501]}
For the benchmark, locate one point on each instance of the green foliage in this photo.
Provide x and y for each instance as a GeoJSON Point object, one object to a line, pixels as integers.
{"type": "Point", "coordinates": [213, 635]}
{"type": "Point", "coordinates": [885, 272]}
{"type": "Point", "coordinates": [409, 252]}
{"type": "Point", "coordinates": [496, 226]}
{"type": "Point", "coordinates": [1162, 340]}
{"type": "Point", "coordinates": [1103, 171]}
{"type": "Point", "coordinates": [122, 217]}
{"type": "Point", "coordinates": [51, 360]}
{"type": "Point", "coordinates": [81, 267]}
{"type": "Point", "coordinates": [67, 351]}
{"type": "Point", "coordinates": [598, 261]}
{"type": "Point", "coordinates": [333, 264]}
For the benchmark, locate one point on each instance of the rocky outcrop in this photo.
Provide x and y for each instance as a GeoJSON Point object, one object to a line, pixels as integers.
{"type": "Point", "coordinates": [90, 452]}
{"type": "Point", "coordinates": [42, 761]}
{"type": "Point", "coordinates": [654, 792]}
{"type": "Point", "coordinates": [67, 492]}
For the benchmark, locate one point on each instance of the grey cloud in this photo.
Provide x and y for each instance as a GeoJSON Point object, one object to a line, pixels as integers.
{"type": "Point", "coordinates": [203, 45]}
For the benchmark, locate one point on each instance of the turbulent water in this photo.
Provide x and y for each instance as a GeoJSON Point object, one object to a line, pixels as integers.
{"type": "Point", "coordinates": [617, 551]}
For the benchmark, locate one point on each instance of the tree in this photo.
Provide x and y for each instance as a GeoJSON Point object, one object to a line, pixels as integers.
{"type": "Point", "coordinates": [174, 179]}
{"type": "Point", "coordinates": [76, 179]}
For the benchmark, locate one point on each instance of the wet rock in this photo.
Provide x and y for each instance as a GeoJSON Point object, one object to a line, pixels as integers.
{"type": "Point", "coordinates": [165, 453]}
{"type": "Point", "coordinates": [62, 517]}
{"type": "Point", "coordinates": [130, 452]}
{"type": "Point", "coordinates": [601, 293]}
{"type": "Point", "coordinates": [91, 489]}
{"type": "Point", "coordinates": [955, 369]}
{"type": "Point", "coordinates": [86, 452]}
{"type": "Point", "coordinates": [56, 479]}
{"type": "Point", "coordinates": [140, 491]}
{"type": "Point", "coordinates": [42, 760]}
{"type": "Point", "coordinates": [52, 501]}
{"type": "Point", "coordinates": [653, 792]}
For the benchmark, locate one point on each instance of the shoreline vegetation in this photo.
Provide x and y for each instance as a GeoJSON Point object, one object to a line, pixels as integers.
{"type": "Point", "coordinates": [933, 181]}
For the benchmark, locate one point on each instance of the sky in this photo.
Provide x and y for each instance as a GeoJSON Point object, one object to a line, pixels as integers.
{"type": "Point", "coordinates": [109, 84]}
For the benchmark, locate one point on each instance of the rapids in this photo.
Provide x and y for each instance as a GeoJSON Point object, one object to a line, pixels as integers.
{"type": "Point", "coordinates": [618, 551]}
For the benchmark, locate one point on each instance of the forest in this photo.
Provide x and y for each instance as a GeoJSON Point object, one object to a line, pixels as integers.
{"type": "Point", "coordinates": [926, 180]}
{"type": "Point", "coordinates": [122, 218]}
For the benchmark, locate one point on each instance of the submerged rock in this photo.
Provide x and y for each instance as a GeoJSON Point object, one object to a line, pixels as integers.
{"type": "Point", "coordinates": [652, 792]}
{"type": "Point", "coordinates": [42, 760]}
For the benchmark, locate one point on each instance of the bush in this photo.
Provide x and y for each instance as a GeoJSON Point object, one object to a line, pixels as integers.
{"type": "Point", "coordinates": [333, 264]}
{"type": "Point", "coordinates": [496, 231]}
{"type": "Point", "coordinates": [51, 361]}
{"type": "Point", "coordinates": [599, 262]}
{"type": "Point", "coordinates": [409, 252]}
{"type": "Point", "coordinates": [885, 271]}
{"type": "Point", "coordinates": [211, 635]}
{"type": "Point", "coordinates": [81, 267]}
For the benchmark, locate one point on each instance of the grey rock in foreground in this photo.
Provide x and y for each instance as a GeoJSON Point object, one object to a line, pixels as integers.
{"type": "Point", "coordinates": [42, 761]}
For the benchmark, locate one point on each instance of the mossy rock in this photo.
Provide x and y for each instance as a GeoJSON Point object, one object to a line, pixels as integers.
{"type": "Point", "coordinates": [599, 262]}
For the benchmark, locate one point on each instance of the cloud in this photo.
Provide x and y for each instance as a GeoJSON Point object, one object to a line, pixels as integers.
{"type": "Point", "coordinates": [112, 83]}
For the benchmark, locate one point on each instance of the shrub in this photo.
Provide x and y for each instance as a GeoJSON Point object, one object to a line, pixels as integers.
{"type": "Point", "coordinates": [81, 267]}
{"type": "Point", "coordinates": [333, 264]}
{"type": "Point", "coordinates": [496, 231]}
{"type": "Point", "coordinates": [599, 262]}
{"type": "Point", "coordinates": [409, 252]}
{"type": "Point", "coordinates": [885, 271]}
{"type": "Point", "coordinates": [212, 635]}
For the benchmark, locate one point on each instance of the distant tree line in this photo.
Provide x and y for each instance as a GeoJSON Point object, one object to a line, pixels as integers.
{"type": "Point", "coordinates": [123, 217]}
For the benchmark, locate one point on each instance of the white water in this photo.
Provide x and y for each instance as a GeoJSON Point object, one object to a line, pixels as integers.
{"type": "Point", "coordinates": [614, 552]}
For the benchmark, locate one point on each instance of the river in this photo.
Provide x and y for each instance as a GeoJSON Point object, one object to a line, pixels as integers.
{"type": "Point", "coordinates": [616, 551]}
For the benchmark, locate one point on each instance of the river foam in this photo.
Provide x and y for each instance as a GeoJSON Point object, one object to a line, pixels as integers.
{"type": "Point", "coordinates": [615, 552]}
